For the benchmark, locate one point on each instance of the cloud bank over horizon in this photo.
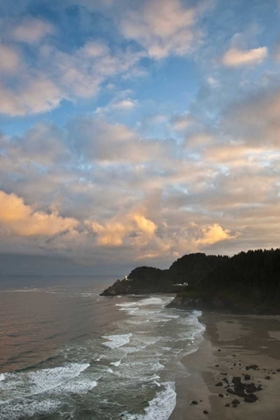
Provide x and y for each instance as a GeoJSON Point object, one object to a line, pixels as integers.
{"type": "Point", "coordinates": [133, 133]}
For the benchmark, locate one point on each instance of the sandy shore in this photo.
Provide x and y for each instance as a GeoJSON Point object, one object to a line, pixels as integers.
{"type": "Point", "coordinates": [232, 343]}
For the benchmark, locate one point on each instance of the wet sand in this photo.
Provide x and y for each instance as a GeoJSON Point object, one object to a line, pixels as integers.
{"type": "Point", "coordinates": [232, 343]}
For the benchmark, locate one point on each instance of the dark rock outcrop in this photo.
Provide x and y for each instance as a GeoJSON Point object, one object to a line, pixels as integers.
{"type": "Point", "coordinates": [251, 398]}
{"type": "Point", "coordinates": [118, 288]}
{"type": "Point", "coordinates": [243, 390]}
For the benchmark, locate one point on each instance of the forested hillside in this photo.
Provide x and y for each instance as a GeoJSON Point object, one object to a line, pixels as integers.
{"type": "Point", "coordinates": [246, 283]}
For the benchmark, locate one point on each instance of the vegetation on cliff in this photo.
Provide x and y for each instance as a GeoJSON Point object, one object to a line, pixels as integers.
{"type": "Point", "coordinates": [249, 282]}
{"type": "Point", "coordinates": [188, 269]}
{"type": "Point", "coordinates": [142, 280]}
{"type": "Point", "coordinates": [246, 283]}
{"type": "Point", "coordinates": [192, 268]}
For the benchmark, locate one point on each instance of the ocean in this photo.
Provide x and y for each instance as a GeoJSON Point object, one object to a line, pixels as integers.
{"type": "Point", "coordinates": [68, 353]}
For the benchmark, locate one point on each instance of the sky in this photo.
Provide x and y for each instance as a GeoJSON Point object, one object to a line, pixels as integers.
{"type": "Point", "coordinates": [134, 132]}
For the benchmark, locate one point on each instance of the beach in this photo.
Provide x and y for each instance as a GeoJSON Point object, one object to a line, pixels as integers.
{"type": "Point", "coordinates": [233, 346]}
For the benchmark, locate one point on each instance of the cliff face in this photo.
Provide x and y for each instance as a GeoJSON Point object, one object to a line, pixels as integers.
{"type": "Point", "coordinates": [246, 283]}
{"type": "Point", "coordinates": [188, 269]}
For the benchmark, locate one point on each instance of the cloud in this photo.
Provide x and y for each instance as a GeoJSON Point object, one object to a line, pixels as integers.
{"type": "Point", "coordinates": [235, 57]}
{"type": "Point", "coordinates": [213, 234]}
{"type": "Point", "coordinates": [125, 104]}
{"type": "Point", "coordinates": [146, 226]}
{"type": "Point", "coordinates": [20, 219]}
{"type": "Point", "coordinates": [120, 103]}
{"type": "Point", "coordinates": [181, 122]}
{"type": "Point", "coordinates": [81, 72]}
{"type": "Point", "coordinates": [133, 228]}
{"type": "Point", "coordinates": [255, 120]}
{"type": "Point", "coordinates": [111, 234]}
{"type": "Point", "coordinates": [10, 59]}
{"type": "Point", "coordinates": [32, 31]}
{"type": "Point", "coordinates": [147, 200]}
{"type": "Point", "coordinates": [212, 81]}
{"type": "Point", "coordinates": [42, 145]}
{"type": "Point", "coordinates": [57, 75]}
{"type": "Point", "coordinates": [277, 52]}
{"type": "Point", "coordinates": [199, 140]}
{"type": "Point", "coordinates": [97, 140]}
{"type": "Point", "coordinates": [133, 231]}
{"type": "Point", "coordinates": [34, 94]}
{"type": "Point", "coordinates": [95, 49]}
{"type": "Point", "coordinates": [179, 176]}
{"type": "Point", "coordinates": [163, 27]}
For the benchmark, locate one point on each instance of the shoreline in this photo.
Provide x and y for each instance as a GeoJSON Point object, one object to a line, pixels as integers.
{"type": "Point", "coordinates": [230, 344]}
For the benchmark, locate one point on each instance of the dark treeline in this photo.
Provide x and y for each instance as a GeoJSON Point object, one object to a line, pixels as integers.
{"type": "Point", "coordinates": [189, 269]}
{"type": "Point", "coordinates": [249, 282]}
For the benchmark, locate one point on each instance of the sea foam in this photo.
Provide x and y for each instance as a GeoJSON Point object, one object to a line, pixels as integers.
{"type": "Point", "coordinates": [116, 341]}
{"type": "Point", "coordinates": [22, 409]}
{"type": "Point", "coordinates": [116, 363]}
{"type": "Point", "coordinates": [126, 304]}
{"type": "Point", "coordinates": [47, 381]}
{"type": "Point", "coordinates": [161, 407]}
{"type": "Point", "coordinates": [151, 301]}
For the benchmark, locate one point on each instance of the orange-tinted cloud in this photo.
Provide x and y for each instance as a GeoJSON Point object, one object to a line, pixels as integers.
{"type": "Point", "coordinates": [132, 225]}
{"type": "Point", "coordinates": [212, 234]}
{"type": "Point", "coordinates": [20, 219]}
